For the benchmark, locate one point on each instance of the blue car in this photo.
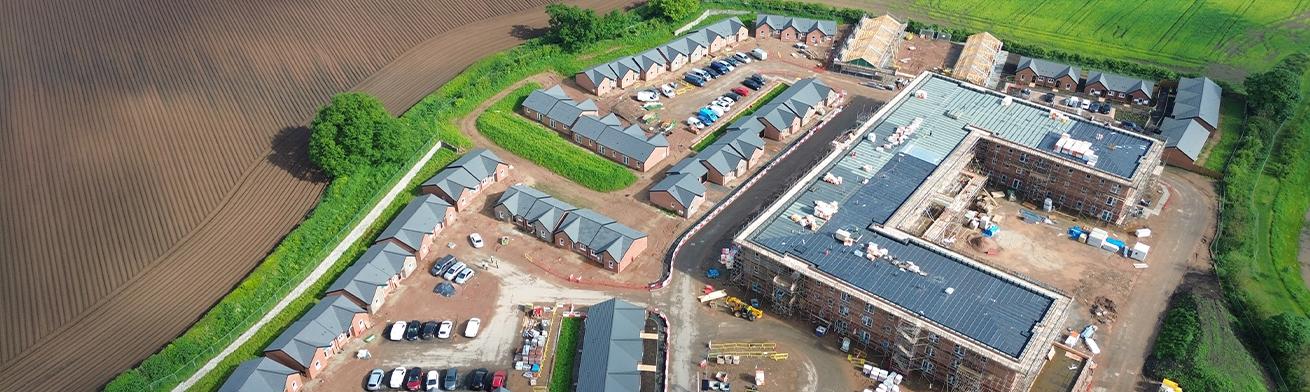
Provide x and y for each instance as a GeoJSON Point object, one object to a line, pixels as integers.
{"type": "Point", "coordinates": [694, 80]}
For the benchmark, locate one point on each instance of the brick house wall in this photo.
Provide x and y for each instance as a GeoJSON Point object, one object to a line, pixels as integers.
{"type": "Point", "coordinates": [664, 200]}
{"type": "Point", "coordinates": [763, 31]}
{"type": "Point", "coordinates": [293, 383]}
{"type": "Point", "coordinates": [788, 34]}
{"type": "Point", "coordinates": [1096, 88]}
{"type": "Point", "coordinates": [1072, 187]}
{"type": "Point", "coordinates": [602, 88]}
{"type": "Point", "coordinates": [1066, 82]}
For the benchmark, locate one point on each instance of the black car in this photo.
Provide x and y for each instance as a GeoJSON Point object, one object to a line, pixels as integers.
{"type": "Point", "coordinates": [1104, 109]}
{"type": "Point", "coordinates": [1048, 97]}
{"type": "Point", "coordinates": [478, 379]}
{"type": "Point", "coordinates": [757, 77]}
{"type": "Point", "coordinates": [440, 266]}
{"type": "Point", "coordinates": [715, 72]}
{"type": "Point", "coordinates": [429, 330]}
{"type": "Point", "coordinates": [694, 80]}
{"type": "Point", "coordinates": [411, 330]}
{"type": "Point", "coordinates": [733, 96]}
{"type": "Point", "coordinates": [752, 84]}
{"type": "Point", "coordinates": [1025, 93]}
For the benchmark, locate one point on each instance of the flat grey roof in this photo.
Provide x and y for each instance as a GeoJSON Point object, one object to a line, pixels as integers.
{"type": "Point", "coordinates": [997, 311]}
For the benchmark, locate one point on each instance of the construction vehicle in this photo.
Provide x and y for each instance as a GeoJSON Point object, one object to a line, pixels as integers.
{"type": "Point", "coordinates": [742, 309]}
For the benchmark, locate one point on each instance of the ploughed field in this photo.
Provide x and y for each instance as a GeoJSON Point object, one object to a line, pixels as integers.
{"type": "Point", "coordinates": [152, 152]}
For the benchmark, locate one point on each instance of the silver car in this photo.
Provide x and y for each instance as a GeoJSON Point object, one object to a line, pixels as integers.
{"type": "Point", "coordinates": [374, 382]}
{"type": "Point", "coordinates": [454, 270]}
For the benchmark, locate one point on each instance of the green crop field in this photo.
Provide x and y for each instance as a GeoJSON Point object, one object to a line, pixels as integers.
{"type": "Point", "coordinates": [1222, 38]}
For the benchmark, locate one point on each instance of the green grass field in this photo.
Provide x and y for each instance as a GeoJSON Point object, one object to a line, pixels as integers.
{"type": "Point", "coordinates": [768, 96]}
{"type": "Point", "coordinates": [1224, 38]}
{"type": "Point", "coordinates": [1232, 121]}
{"type": "Point", "coordinates": [1222, 352]}
{"type": "Point", "coordinates": [566, 354]}
{"type": "Point", "coordinates": [528, 139]}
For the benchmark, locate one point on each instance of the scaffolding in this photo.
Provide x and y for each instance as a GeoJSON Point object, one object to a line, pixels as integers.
{"type": "Point", "coordinates": [909, 345]}
{"type": "Point", "coordinates": [966, 380]}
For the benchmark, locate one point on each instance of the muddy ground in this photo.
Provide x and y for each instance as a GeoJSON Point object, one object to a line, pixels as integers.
{"type": "Point", "coordinates": [166, 140]}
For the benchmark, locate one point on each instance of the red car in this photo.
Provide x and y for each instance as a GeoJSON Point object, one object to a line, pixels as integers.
{"type": "Point", "coordinates": [741, 91]}
{"type": "Point", "coordinates": [414, 379]}
{"type": "Point", "coordinates": [498, 379]}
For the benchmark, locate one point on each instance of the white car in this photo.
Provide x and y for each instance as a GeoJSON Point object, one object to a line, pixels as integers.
{"type": "Point", "coordinates": [694, 122]}
{"type": "Point", "coordinates": [1086, 103]}
{"type": "Point", "coordinates": [397, 331]}
{"type": "Point", "coordinates": [471, 329]}
{"type": "Point", "coordinates": [669, 90]}
{"type": "Point", "coordinates": [648, 96]}
{"type": "Point", "coordinates": [397, 378]}
{"type": "Point", "coordinates": [801, 45]}
{"type": "Point", "coordinates": [742, 57]}
{"type": "Point", "coordinates": [454, 270]}
{"type": "Point", "coordinates": [430, 383]}
{"type": "Point", "coordinates": [463, 276]}
{"type": "Point", "coordinates": [443, 332]}
{"type": "Point", "coordinates": [476, 240]}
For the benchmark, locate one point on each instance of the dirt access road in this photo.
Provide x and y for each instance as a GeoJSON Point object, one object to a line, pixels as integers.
{"type": "Point", "coordinates": [166, 141]}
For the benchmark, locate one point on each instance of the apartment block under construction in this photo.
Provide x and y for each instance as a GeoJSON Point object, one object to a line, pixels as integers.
{"type": "Point", "coordinates": [860, 243]}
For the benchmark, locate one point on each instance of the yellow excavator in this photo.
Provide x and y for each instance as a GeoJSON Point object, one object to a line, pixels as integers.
{"type": "Point", "coordinates": [742, 309]}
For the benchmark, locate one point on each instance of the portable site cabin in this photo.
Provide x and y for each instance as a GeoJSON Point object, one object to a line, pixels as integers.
{"type": "Point", "coordinates": [1139, 251]}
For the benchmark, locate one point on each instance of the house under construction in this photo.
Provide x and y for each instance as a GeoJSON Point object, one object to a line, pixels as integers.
{"type": "Point", "coordinates": [854, 245]}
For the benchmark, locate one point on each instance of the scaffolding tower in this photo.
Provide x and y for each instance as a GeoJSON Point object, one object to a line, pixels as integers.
{"type": "Point", "coordinates": [785, 293]}
{"type": "Point", "coordinates": [909, 347]}
{"type": "Point", "coordinates": [967, 380]}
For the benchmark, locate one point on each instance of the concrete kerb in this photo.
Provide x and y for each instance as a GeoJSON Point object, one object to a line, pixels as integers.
{"type": "Point", "coordinates": [686, 234]}
{"type": "Point", "coordinates": [318, 272]}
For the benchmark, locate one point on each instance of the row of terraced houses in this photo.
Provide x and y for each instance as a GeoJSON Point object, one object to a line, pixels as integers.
{"type": "Point", "coordinates": [672, 56]}
{"type": "Point", "coordinates": [300, 353]}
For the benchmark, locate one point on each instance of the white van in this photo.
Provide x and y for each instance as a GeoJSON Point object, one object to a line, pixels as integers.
{"type": "Point", "coordinates": [760, 54]}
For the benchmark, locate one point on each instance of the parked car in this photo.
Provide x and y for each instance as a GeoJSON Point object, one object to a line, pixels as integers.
{"type": "Point", "coordinates": [414, 378]}
{"type": "Point", "coordinates": [440, 266]}
{"type": "Point", "coordinates": [757, 77]}
{"type": "Point", "coordinates": [397, 331]}
{"type": "Point", "coordinates": [733, 96]}
{"type": "Point", "coordinates": [742, 57]}
{"type": "Point", "coordinates": [694, 80]}
{"type": "Point", "coordinates": [800, 45]}
{"type": "Point", "coordinates": [478, 379]}
{"type": "Point", "coordinates": [443, 330]}
{"type": "Point", "coordinates": [1025, 93]}
{"type": "Point", "coordinates": [428, 331]}
{"type": "Point", "coordinates": [463, 276]}
{"type": "Point", "coordinates": [1129, 125]}
{"type": "Point", "coordinates": [701, 73]}
{"type": "Point", "coordinates": [411, 330]}
{"type": "Point", "coordinates": [760, 54]}
{"type": "Point", "coordinates": [374, 381]}
{"type": "Point", "coordinates": [1048, 97]}
{"type": "Point", "coordinates": [498, 379]}
{"type": "Point", "coordinates": [454, 270]}
{"type": "Point", "coordinates": [397, 378]}
{"type": "Point", "coordinates": [731, 61]}
{"type": "Point", "coordinates": [1084, 104]}
{"type": "Point", "coordinates": [695, 122]}
{"type": "Point", "coordinates": [742, 91]}
{"type": "Point", "coordinates": [1105, 108]}
{"type": "Point", "coordinates": [430, 382]}
{"type": "Point", "coordinates": [471, 329]}
{"type": "Point", "coordinates": [476, 240]}
{"type": "Point", "coordinates": [669, 90]}
{"type": "Point", "coordinates": [648, 96]}
{"type": "Point", "coordinates": [451, 380]}
{"type": "Point", "coordinates": [752, 84]}
{"type": "Point", "coordinates": [714, 72]}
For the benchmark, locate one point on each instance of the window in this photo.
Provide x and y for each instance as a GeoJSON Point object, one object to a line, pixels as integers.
{"type": "Point", "coordinates": [1106, 215]}
{"type": "Point", "coordinates": [886, 345]}
{"type": "Point", "coordinates": [1109, 201]}
{"type": "Point", "coordinates": [318, 364]}
{"type": "Point", "coordinates": [950, 379]}
{"type": "Point", "coordinates": [844, 311]}
{"type": "Point", "coordinates": [864, 337]}
{"type": "Point", "coordinates": [868, 308]}
{"type": "Point", "coordinates": [845, 297]}
{"type": "Point", "coordinates": [959, 350]}
{"type": "Point", "coordinates": [1018, 173]}
{"type": "Point", "coordinates": [1015, 183]}
{"type": "Point", "coordinates": [755, 286]}
{"type": "Point", "coordinates": [612, 264]}
{"type": "Point", "coordinates": [1115, 188]}
{"type": "Point", "coordinates": [929, 351]}
{"type": "Point", "coordinates": [927, 366]}
{"type": "Point", "coordinates": [1078, 206]}
{"type": "Point", "coordinates": [1023, 157]}
{"type": "Point", "coordinates": [866, 320]}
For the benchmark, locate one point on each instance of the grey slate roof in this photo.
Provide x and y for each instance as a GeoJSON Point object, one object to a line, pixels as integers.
{"type": "Point", "coordinates": [674, 48]}
{"type": "Point", "coordinates": [548, 212]}
{"type": "Point", "coordinates": [599, 232]}
{"type": "Point", "coordinates": [1187, 135]}
{"type": "Point", "coordinates": [994, 310]}
{"type": "Point", "coordinates": [565, 112]}
{"type": "Point", "coordinates": [591, 127]}
{"type": "Point", "coordinates": [726, 27]}
{"type": "Point", "coordinates": [744, 142]}
{"type": "Point", "coordinates": [419, 217]}
{"type": "Point", "coordinates": [481, 163]}
{"type": "Point", "coordinates": [541, 101]}
{"type": "Point", "coordinates": [1049, 69]}
{"type": "Point", "coordinates": [611, 347]}
{"type": "Point", "coordinates": [258, 375]}
{"type": "Point", "coordinates": [371, 271]}
{"type": "Point", "coordinates": [721, 157]}
{"type": "Point", "coordinates": [453, 182]}
{"type": "Point", "coordinates": [588, 105]}
{"type": "Point", "coordinates": [624, 65]}
{"type": "Point", "coordinates": [319, 326]}
{"type": "Point", "coordinates": [519, 198]}
{"type": "Point", "coordinates": [803, 25]}
{"type": "Point", "coordinates": [631, 141]}
{"type": "Point", "coordinates": [1118, 82]}
{"type": "Point", "coordinates": [689, 165]}
{"type": "Point", "coordinates": [650, 59]}
{"type": "Point", "coordinates": [599, 73]}
{"type": "Point", "coordinates": [684, 187]}
{"type": "Point", "coordinates": [1198, 97]}
{"type": "Point", "coordinates": [750, 124]}
{"type": "Point", "coordinates": [776, 113]}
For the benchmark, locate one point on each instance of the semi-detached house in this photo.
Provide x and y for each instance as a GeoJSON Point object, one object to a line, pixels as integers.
{"type": "Point", "coordinates": [322, 332]}
{"type": "Point", "coordinates": [1048, 74]}
{"type": "Point", "coordinates": [787, 28]}
{"type": "Point", "coordinates": [374, 276]}
{"type": "Point", "coordinates": [263, 374]}
{"type": "Point", "coordinates": [683, 188]}
{"type": "Point", "coordinates": [600, 239]}
{"type": "Point", "coordinates": [415, 227]}
{"type": "Point", "coordinates": [1119, 87]}
{"type": "Point", "coordinates": [464, 178]}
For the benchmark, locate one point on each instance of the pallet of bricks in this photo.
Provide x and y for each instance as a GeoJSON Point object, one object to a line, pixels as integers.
{"type": "Point", "coordinates": [536, 334]}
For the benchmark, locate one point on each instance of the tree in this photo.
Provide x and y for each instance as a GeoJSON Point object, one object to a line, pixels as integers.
{"type": "Point", "coordinates": [572, 27]}
{"type": "Point", "coordinates": [1288, 335]}
{"type": "Point", "coordinates": [354, 131]}
{"type": "Point", "coordinates": [675, 9]}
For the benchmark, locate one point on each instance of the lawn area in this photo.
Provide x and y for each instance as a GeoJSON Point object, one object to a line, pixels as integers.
{"type": "Point", "coordinates": [528, 139]}
{"type": "Point", "coordinates": [1232, 121]}
{"type": "Point", "coordinates": [1198, 348]}
{"type": "Point", "coordinates": [566, 354]}
{"type": "Point", "coordinates": [1220, 350]}
{"type": "Point", "coordinates": [1245, 35]}
{"type": "Point", "coordinates": [768, 96]}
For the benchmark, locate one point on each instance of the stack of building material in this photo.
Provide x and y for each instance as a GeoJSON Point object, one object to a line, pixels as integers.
{"type": "Point", "coordinates": [825, 210]}
{"type": "Point", "coordinates": [1139, 251]}
{"type": "Point", "coordinates": [1097, 237]}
